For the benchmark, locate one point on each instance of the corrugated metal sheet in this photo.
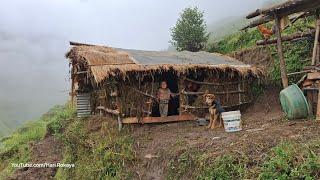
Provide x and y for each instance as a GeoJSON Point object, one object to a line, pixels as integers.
{"type": "Point", "coordinates": [183, 57]}
{"type": "Point", "coordinates": [83, 105]}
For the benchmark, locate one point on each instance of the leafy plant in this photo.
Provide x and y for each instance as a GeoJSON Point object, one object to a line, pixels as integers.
{"type": "Point", "coordinates": [189, 33]}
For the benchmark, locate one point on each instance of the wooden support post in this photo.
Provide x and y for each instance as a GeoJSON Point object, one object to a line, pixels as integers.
{"type": "Point", "coordinates": [119, 107]}
{"type": "Point", "coordinates": [72, 86]}
{"type": "Point", "coordinates": [316, 42]}
{"type": "Point", "coordinates": [318, 105]}
{"type": "Point", "coordinates": [283, 70]}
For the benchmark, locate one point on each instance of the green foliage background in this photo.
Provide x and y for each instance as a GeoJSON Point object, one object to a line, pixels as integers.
{"type": "Point", "coordinates": [189, 33]}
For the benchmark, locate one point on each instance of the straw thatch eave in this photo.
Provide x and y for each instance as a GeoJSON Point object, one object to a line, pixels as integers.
{"type": "Point", "coordinates": [101, 63]}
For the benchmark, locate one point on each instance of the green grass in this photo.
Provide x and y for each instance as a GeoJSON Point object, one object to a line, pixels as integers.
{"type": "Point", "coordinates": [101, 154]}
{"type": "Point", "coordinates": [200, 165]}
{"type": "Point", "coordinates": [292, 161]}
{"type": "Point", "coordinates": [16, 148]}
{"type": "Point", "coordinates": [285, 161]}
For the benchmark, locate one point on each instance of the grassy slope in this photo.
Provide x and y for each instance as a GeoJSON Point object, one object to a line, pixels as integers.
{"type": "Point", "coordinates": [97, 154]}
{"type": "Point", "coordinates": [16, 148]}
{"type": "Point", "coordinates": [297, 54]}
{"type": "Point", "coordinates": [285, 161]}
{"type": "Point", "coordinates": [98, 150]}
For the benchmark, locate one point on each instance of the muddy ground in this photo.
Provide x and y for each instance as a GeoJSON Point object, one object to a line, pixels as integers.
{"type": "Point", "coordinates": [264, 126]}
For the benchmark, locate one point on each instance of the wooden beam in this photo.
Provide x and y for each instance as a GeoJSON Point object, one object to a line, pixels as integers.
{"type": "Point", "coordinates": [287, 8]}
{"type": "Point", "coordinates": [147, 120]}
{"type": "Point", "coordinates": [79, 44]}
{"type": "Point", "coordinates": [316, 42]}
{"type": "Point", "coordinates": [262, 20]}
{"type": "Point", "coordinates": [283, 70]}
{"type": "Point", "coordinates": [254, 14]}
{"type": "Point", "coordinates": [291, 37]}
{"type": "Point", "coordinates": [268, 18]}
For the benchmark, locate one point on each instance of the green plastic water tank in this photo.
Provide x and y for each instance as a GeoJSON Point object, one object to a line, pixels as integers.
{"type": "Point", "coordinates": [293, 102]}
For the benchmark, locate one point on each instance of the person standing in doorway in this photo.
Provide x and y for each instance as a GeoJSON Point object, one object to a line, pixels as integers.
{"type": "Point", "coordinates": [164, 95]}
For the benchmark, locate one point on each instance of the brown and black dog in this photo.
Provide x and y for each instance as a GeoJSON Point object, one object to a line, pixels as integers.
{"type": "Point", "coordinates": [215, 117]}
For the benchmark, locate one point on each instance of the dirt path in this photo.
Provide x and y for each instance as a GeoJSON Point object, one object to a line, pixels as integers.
{"type": "Point", "coordinates": [48, 150]}
{"type": "Point", "coordinates": [264, 126]}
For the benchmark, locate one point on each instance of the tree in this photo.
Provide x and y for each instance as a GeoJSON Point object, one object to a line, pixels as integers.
{"type": "Point", "coordinates": [189, 33]}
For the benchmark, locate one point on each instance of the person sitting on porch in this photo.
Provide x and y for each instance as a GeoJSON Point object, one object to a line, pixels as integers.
{"type": "Point", "coordinates": [164, 95]}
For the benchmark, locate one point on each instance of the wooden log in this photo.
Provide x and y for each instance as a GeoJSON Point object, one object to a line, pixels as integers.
{"type": "Point", "coordinates": [262, 20]}
{"type": "Point", "coordinates": [147, 120]}
{"type": "Point", "coordinates": [283, 70]}
{"type": "Point", "coordinates": [291, 37]}
{"type": "Point", "coordinates": [254, 14]}
{"type": "Point", "coordinates": [268, 18]}
{"type": "Point", "coordinates": [316, 42]}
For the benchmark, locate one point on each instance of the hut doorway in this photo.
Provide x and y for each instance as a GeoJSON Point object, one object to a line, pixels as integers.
{"type": "Point", "coordinates": [174, 103]}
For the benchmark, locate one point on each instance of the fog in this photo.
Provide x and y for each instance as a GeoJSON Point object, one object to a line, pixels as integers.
{"type": "Point", "coordinates": [34, 37]}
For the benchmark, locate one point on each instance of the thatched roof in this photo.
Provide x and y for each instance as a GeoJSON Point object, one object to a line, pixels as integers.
{"type": "Point", "coordinates": [103, 62]}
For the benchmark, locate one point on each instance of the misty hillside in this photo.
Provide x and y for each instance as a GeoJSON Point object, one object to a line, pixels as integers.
{"type": "Point", "coordinates": [226, 27]}
{"type": "Point", "coordinates": [33, 78]}
{"type": "Point", "coordinates": [230, 25]}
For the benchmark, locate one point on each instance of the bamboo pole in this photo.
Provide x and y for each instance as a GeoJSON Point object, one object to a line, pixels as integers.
{"type": "Point", "coordinates": [316, 42]}
{"type": "Point", "coordinates": [283, 71]}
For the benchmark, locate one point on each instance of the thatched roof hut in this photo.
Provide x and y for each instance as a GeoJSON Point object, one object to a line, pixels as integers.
{"type": "Point", "coordinates": [124, 82]}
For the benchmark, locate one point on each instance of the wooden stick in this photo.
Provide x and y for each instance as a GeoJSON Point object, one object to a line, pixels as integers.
{"type": "Point", "coordinates": [141, 92]}
{"type": "Point", "coordinates": [214, 84]}
{"type": "Point", "coordinates": [201, 93]}
{"type": "Point", "coordinates": [300, 72]}
{"type": "Point", "coordinates": [205, 107]}
{"type": "Point", "coordinates": [111, 111]}
{"type": "Point", "coordinates": [316, 41]}
{"type": "Point", "coordinates": [280, 53]}
{"type": "Point", "coordinates": [194, 107]}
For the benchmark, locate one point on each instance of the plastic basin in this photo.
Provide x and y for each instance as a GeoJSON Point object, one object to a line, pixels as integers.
{"type": "Point", "coordinates": [294, 103]}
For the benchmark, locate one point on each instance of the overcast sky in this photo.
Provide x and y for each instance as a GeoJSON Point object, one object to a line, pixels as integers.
{"type": "Point", "coordinates": [34, 37]}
